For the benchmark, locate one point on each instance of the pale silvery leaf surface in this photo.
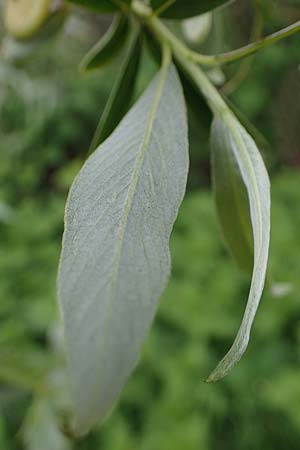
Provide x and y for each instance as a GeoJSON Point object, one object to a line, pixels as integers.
{"type": "Point", "coordinates": [229, 135]}
{"type": "Point", "coordinates": [41, 430]}
{"type": "Point", "coordinates": [115, 261]}
{"type": "Point", "coordinates": [196, 29]}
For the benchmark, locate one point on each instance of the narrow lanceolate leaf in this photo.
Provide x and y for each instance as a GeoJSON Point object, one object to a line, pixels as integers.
{"type": "Point", "coordinates": [183, 9]}
{"type": "Point", "coordinates": [115, 260]}
{"type": "Point", "coordinates": [230, 137]}
{"type": "Point", "coordinates": [122, 92]}
{"type": "Point", "coordinates": [102, 6]}
{"type": "Point", "coordinates": [108, 46]}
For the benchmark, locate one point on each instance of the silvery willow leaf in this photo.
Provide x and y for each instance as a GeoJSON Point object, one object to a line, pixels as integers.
{"type": "Point", "coordinates": [230, 137]}
{"type": "Point", "coordinates": [115, 260]}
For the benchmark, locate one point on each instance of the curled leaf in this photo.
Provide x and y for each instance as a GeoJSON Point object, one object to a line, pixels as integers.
{"type": "Point", "coordinates": [230, 137]}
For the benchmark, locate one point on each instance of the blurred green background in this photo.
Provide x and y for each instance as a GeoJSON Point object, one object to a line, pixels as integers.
{"type": "Point", "coordinates": [48, 114]}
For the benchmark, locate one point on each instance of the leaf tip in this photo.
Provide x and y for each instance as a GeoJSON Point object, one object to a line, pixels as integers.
{"type": "Point", "coordinates": [215, 376]}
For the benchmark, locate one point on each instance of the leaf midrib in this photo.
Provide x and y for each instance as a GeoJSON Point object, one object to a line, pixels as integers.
{"type": "Point", "coordinates": [130, 196]}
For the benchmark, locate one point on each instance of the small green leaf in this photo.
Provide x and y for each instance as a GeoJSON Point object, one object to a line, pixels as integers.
{"type": "Point", "coordinates": [108, 46]}
{"type": "Point", "coordinates": [194, 99]}
{"type": "Point", "coordinates": [183, 9]}
{"type": "Point", "coordinates": [115, 260]}
{"type": "Point", "coordinates": [242, 157]}
{"type": "Point", "coordinates": [122, 92]}
{"type": "Point", "coordinates": [102, 6]}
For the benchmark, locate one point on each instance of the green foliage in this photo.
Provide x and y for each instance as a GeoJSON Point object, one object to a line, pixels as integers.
{"type": "Point", "coordinates": [45, 126]}
{"type": "Point", "coordinates": [166, 404]}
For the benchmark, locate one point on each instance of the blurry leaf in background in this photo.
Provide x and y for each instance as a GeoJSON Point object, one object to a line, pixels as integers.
{"type": "Point", "coordinates": [138, 179]}
{"type": "Point", "coordinates": [23, 18]}
{"type": "Point", "coordinates": [216, 75]}
{"type": "Point", "coordinates": [108, 46]}
{"type": "Point", "coordinates": [28, 19]}
{"type": "Point", "coordinates": [234, 151]}
{"type": "Point", "coordinates": [25, 368]}
{"type": "Point", "coordinates": [183, 9]}
{"type": "Point", "coordinates": [6, 213]}
{"type": "Point", "coordinates": [196, 29]}
{"type": "Point", "coordinates": [41, 430]}
{"type": "Point", "coordinates": [122, 92]}
{"type": "Point", "coordinates": [4, 436]}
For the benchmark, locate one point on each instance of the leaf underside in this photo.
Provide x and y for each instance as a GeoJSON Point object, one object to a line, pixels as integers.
{"type": "Point", "coordinates": [115, 260]}
{"type": "Point", "coordinates": [229, 136]}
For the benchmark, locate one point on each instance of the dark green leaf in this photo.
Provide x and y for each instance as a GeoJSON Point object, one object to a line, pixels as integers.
{"type": "Point", "coordinates": [183, 9]}
{"type": "Point", "coordinates": [121, 95]}
{"type": "Point", "coordinates": [195, 99]}
{"type": "Point", "coordinates": [115, 260]}
{"type": "Point", "coordinates": [108, 46]}
{"type": "Point", "coordinates": [153, 45]}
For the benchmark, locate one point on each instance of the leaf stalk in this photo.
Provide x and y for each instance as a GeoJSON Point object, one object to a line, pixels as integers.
{"type": "Point", "coordinates": [157, 25]}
